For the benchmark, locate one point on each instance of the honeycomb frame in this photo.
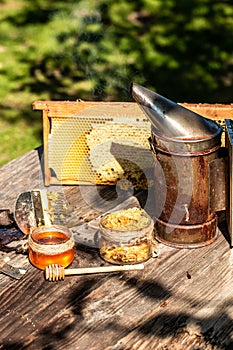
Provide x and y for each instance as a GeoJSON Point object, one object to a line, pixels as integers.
{"type": "Point", "coordinates": [79, 136]}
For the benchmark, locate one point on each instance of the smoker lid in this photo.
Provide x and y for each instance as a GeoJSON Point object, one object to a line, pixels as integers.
{"type": "Point", "coordinates": [172, 120]}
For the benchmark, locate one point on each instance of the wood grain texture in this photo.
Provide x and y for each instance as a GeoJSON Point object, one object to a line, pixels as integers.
{"type": "Point", "coordinates": [71, 108]}
{"type": "Point", "coordinates": [181, 300]}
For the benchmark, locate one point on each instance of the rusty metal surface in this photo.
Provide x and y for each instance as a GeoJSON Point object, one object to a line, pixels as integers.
{"type": "Point", "coordinates": [186, 236]}
{"type": "Point", "coordinates": [219, 174]}
{"type": "Point", "coordinates": [186, 148]}
{"type": "Point", "coordinates": [182, 199]}
{"type": "Point", "coordinates": [184, 184]}
{"type": "Point", "coordinates": [183, 146]}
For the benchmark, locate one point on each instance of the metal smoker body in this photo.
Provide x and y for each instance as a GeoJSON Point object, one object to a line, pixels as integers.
{"type": "Point", "coordinates": [186, 151]}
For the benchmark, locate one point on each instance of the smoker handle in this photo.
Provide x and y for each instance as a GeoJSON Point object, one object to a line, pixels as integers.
{"type": "Point", "coordinates": [218, 172]}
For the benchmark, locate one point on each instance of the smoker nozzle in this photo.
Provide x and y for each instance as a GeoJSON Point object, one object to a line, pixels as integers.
{"type": "Point", "coordinates": [172, 120]}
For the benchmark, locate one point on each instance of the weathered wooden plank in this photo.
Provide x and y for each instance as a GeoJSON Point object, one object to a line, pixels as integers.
{"type": "Point", "coordinates": [71, 108]}
{"type": "Point", "coordinates": [182, 300]}
{"type": "Point", "coordinates": [156, 306]}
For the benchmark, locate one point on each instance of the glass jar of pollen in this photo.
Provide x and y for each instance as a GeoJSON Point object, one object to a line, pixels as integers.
{"type": "Point", "coordinates": [126, 236]}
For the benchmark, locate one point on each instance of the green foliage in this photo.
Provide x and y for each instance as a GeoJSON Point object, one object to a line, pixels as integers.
{"type": "Point", "coordinates": [93, 49]}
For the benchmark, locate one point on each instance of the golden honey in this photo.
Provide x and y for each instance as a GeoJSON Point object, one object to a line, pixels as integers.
{"type": "Point", "coordinates": [51, 245]}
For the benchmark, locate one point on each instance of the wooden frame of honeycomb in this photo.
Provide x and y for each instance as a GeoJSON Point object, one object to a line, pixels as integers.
{"type": "Point", "coordinates": [102, 142]}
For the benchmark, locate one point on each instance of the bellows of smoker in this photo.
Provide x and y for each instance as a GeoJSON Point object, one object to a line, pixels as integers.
{"type": "Point", "coordinates": [189, 171]}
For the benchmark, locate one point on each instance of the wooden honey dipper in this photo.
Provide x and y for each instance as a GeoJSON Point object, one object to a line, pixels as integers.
{"type": "Point", "coordinates": [56, 272]}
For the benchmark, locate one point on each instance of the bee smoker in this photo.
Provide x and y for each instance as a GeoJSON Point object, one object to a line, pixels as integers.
{"type": "Point", "coordinates": [189, 171]}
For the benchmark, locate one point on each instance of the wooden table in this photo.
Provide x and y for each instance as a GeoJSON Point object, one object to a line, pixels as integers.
{"type": "Point", "coordinates": [181, 300]}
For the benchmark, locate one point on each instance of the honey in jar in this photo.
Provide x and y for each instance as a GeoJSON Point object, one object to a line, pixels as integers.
{"type": "Point", "coordinates": [51, 245]}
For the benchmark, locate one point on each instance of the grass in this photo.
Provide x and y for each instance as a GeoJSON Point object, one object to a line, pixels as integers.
{"type": "Point", "coordinates": [17, 139]}
{"type": "Point", "coordinates": [75, 50]}
{"type": "Point", "coordinates": [18, 134]}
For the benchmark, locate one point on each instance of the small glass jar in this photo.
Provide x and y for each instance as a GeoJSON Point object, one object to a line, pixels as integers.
{"type": "Point", "coordinates": [126, 236]}
{"type": "Point", "coordinates": [51, 245]}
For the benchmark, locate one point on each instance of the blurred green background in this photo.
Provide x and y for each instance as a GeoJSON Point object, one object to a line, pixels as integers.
{"type": "Point", "coordinates": [66, 50]}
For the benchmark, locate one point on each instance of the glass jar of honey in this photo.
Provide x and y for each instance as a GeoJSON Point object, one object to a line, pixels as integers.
{"type": "Point", "coordinates": [51, 245]}
{"type": "Point", "coordinates": [126, 236]}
